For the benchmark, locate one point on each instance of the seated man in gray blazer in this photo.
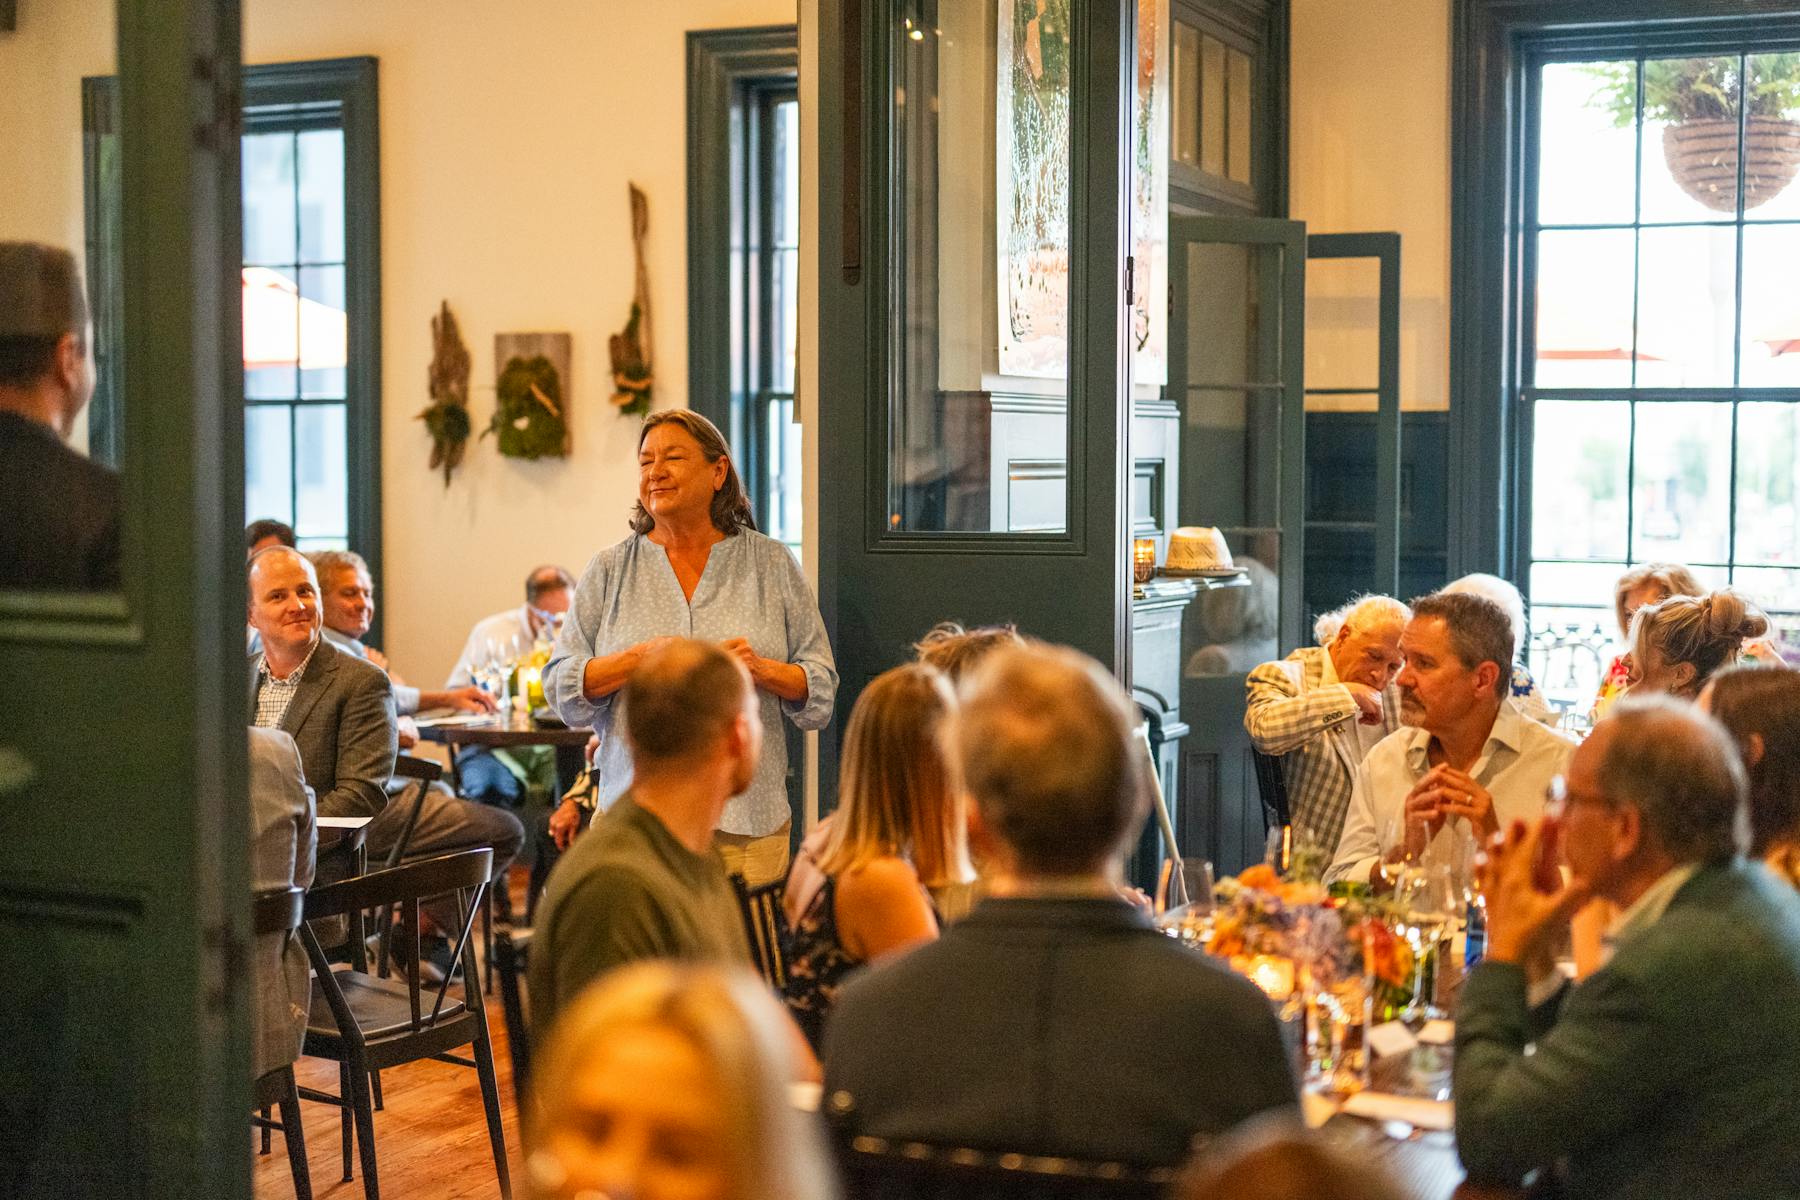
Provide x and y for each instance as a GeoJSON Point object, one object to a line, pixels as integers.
{"type": "Point", "coordinates": [1054, 1018]}
{"type": "Point", "coordinates": [338, 709]}
{"type": "Point", "coordinates": [284, 842]}
{"type": "Point", "coordinates": [1671, 1071]}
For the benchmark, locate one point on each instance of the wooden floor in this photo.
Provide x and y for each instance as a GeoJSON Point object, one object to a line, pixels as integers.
{"type": "Point", "coordinates": [430, 1139]}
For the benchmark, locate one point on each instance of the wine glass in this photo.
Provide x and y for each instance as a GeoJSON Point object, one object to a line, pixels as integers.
{"type": "Point", "coordinates": [1429, 899]}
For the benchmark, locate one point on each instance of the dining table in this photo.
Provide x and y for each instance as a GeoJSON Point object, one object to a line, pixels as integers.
{"type": "Point", "coordinates": [512, 729]}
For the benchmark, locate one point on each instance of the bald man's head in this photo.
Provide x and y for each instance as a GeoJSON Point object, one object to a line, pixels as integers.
{"type": "Point", "coordinates": [284, 601]}
{"type": "Point", "coordinates": [684, 701]}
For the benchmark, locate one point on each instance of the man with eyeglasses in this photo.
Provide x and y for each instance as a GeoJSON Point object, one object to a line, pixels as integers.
{"type": "Point", "coordinates": [1670, 1071]}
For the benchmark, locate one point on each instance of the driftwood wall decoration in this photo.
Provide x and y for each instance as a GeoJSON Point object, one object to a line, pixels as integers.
{"type": "Point", "coordinates": [632, 374]}
{"type": "Point", "coordinates": [447, 417]}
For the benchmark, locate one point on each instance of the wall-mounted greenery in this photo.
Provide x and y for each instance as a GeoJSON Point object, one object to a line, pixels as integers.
{"type": "Point", "coordinates": [529, 417]}
{"type": "Point", "coordinates": [447, 417]}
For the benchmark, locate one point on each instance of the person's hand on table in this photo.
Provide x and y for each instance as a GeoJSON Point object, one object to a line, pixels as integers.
{"type": "Point", "coordinates": [408, 730]}
{"type": "Point", "coordinates": [565, 823]}
{"type": "Point", "coordinates": [1368, 703]}
{"type": "Point", "coordinates": [470, 699]}
{"type": "Point", "coordinates": [1523, 918]}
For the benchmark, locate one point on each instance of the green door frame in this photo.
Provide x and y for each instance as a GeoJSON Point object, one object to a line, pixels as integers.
{"type": "Point", "coordinates": [124, 874]}
{"type": "Point", "coordinates": [878, 588]}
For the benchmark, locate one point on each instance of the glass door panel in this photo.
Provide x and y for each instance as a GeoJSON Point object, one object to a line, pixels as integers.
{"type": "Point", "coordinates": [1235, 372]}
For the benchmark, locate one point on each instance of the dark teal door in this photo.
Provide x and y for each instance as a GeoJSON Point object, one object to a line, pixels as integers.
{"type": "Point", "coordinates": [973, 399]}
{"type": "Point", "coordinates": [1236, 290]}
{"type": "Point", "coordinates": [124, 1057]}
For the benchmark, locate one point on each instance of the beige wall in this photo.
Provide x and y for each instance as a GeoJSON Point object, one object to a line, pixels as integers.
{"type": "Point", "coordinates": [508, 134]}
{"type": "Point", "coordinates": [1370, 151]}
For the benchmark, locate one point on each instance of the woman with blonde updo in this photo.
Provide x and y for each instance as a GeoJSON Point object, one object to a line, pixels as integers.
{"type": "Point", "coordinates": [1680, 643]}
{"type": "Point", "coordinates": [1646, 583]}
{"type": "Point", "coordinates": [670, 1082]}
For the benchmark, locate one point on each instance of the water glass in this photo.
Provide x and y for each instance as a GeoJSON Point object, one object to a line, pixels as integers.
{"type": "Point", "coordinates": [1188, 888]}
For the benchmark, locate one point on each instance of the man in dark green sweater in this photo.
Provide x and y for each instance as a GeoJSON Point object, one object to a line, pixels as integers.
{"type": "Point", "coordinates": [1674, 1070]}
{"type": "Point", "coordinates": [644, 881]}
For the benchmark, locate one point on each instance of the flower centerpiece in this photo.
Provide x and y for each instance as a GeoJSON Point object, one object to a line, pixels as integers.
{"type": "Point", "coordinates": [1346, 964]}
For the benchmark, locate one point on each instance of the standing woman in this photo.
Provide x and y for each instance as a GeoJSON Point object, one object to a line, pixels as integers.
{"type": "Point", "coordinates": [694, 566]}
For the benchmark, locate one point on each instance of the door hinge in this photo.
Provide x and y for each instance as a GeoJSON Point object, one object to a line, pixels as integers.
{"type": "Point", "coordinates": [1130, 280]}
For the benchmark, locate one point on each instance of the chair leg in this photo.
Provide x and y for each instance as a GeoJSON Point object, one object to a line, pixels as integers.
{"type": "Point", "coordinates": [490, 1102]}
{"type": "Point", "coordinates": [375, 1085]}
{"type": "Point", "coordinates": [295, 1137]}
{"type": "Point", "coordinates": [264, 1113]}
{"type": "Point", "coordinates": [487, 939]}
{"type": "Point", "coordinates": [344, 1116]}
{"type": "Point", "coordinates": [365, 1129]}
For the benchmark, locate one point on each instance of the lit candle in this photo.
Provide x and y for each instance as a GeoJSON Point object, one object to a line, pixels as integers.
{"type": "Point", "coordinates": [1275, 976]}
{"type": "Point", "coordinates": [1143, 559]}
{"type": "Point", "coordinates": [531, 687]}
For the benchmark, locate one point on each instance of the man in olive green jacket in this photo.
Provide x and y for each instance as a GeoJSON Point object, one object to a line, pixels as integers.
{"type": "Point", "coordinates": [1674, 1070]}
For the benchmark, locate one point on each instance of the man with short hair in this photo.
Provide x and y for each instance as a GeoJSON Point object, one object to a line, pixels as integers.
{"type": "Point", "coordinates": [59, 510]}
{"type": "Point", "coordinates": [1055, 1018]}
{"type": "Point", "coordinates": [645, 880]}
{"type": "Point", "coordinates": [1669, 1072]}
{"type": "Point", "coordinates": [1466, 762]}
{"type": "Point", "coordinates": [1323, 708]}
{"type": "Point", "coordinates": [347, 596]}
{"type": "Point", "coordinates": [446, 823]}
{"type": "Point", "coordinates": [338, 708]}
{"type": "Point", "coordinates": [498, 777]}
{"type": "Point", "coordinates": [266, 532]}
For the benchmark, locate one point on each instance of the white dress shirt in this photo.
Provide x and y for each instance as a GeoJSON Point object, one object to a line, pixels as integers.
{"type": "Point", "coordinates": [1516, 764]}
{"type": "Point", "coordinates": [512, 627]}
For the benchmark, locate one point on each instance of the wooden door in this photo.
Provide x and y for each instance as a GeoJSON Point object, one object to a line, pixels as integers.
{"type": "Point", "coordinates": [123, 856]}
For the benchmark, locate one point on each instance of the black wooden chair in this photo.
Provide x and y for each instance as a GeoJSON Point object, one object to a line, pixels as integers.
{"type": "Point", "coordinates": [281, 911]}
{"type": "Point", "coordinates": [877, 1169]}
{"type": "Point", "coordinates": [765, 925]}
{"type": "Point", "coordinates": [512, 957]}
{"type": "Point", "coordinates": [1271, 785]}
{"type": "Point", "coordinates": [366, 1023]}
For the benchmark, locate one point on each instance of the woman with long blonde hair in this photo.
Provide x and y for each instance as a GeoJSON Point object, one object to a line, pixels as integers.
{"type": "Point", "coordinates": [899, 834]}
{"type": "Point", "coordinates": [669, 1081]}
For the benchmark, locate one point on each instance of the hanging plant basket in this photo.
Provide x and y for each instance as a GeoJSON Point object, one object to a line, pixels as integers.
{"type": "Point", "coordinates": [1701, 153]}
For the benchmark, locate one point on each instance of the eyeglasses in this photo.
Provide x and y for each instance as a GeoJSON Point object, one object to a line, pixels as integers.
{"type": "Point", "coordinates": [1558, 799]}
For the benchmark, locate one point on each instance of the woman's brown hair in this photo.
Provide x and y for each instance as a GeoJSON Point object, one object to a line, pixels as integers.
{"type": "Point", "coordinates": [1764, 702]}
{"type": "Point", "coordinates": [899, 790]}
{"type": "Point", "coordinates": [730, 504]}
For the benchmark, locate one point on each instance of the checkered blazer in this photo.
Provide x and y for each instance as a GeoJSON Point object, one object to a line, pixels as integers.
{"type": "Point", "coordinates": [1294, 714]}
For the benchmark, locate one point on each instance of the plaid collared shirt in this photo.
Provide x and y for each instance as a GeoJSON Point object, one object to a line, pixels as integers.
{"type": "Point", "coordinates": [274, 695]}
{"type": "Point", "coordinates": [1296, 709]}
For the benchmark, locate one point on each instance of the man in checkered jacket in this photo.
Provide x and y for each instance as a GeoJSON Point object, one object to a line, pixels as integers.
{"type": "Point", "coordinates": [1322, 708]}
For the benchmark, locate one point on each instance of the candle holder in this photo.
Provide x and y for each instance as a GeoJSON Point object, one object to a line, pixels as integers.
{"type": "Point", "coordinates": [1143, 559]}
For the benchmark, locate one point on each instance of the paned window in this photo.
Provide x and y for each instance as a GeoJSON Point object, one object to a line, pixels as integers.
{"type": "Point", "coordinates": [1661, 338]}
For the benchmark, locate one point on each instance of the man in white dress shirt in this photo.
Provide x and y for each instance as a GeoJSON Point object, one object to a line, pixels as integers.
{"type": "Point", "coordinates": [1466, 764]}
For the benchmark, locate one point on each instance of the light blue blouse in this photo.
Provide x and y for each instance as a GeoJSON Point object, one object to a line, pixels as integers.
{"type": "Point", "coordinates": [751, 588]}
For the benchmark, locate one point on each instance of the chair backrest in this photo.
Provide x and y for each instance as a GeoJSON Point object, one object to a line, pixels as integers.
{"type": "Point", "coordinates": [512, 955]}
{"type": "Point", "coordinates": [1271, 785]}
{"type": "Point", "coordinates": [411, 766]}
{"type": "Point", "coordinates": [879, 1169]}
{"type": "Point", "coordinates": [464, 874]}
{"type": "Point", "coordinates": [279, 910]}
{"type": "Point", "coordinates": [765, 925]}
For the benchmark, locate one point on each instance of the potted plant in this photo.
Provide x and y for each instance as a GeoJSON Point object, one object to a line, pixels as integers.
{"type": "Point", "coordinates": [1697, 100]}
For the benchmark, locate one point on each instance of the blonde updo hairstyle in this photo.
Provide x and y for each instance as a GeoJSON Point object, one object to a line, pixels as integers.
{"type": "Point", "coordinates": [1706, 632]}
{"type": "Point", "coordinates": [1669, 579]}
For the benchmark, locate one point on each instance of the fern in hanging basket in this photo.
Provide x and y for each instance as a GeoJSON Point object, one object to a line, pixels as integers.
{"type": "Point", "coordinates": [529, 420]}
{"type": "Point", "coordinates": [1696, 101]}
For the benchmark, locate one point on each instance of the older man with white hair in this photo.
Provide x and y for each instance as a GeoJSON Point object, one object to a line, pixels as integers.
{"type": "Point", "coordinates": [1322, 708]}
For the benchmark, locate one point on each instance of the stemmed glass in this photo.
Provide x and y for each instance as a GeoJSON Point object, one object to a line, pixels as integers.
{"type": "Point", "coordinates": [1429, 896]}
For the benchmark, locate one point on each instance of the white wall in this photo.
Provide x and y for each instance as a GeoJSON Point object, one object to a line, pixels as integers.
{"type": "Point", "coordinates": [1369, 150]}
{"type": "Point", "coordinates": [508, 135]}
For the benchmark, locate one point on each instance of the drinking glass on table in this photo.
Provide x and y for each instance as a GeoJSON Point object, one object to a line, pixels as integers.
{"type": "Point", "coordinates": [1185, 891]}
{"type": "Point", "coordinates": [1430, 901]}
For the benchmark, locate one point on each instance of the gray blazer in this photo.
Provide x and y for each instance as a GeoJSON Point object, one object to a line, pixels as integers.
{"type": "Point", "coordinates": [284, 843]}
{"type": "Point", "coordinates": [1670, 1072]}
{"type": "Point", "coordinates": [342, 719]}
